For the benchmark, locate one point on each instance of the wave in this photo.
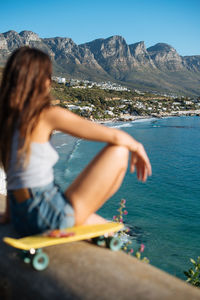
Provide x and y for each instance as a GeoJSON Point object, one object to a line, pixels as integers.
{"type": "Point", "coordinates": [144, 120]}
{"type": "Point", "coordinates": [66, 145]}
{"type": "Point", "coordinates": [73, 149]}
{"type": "Point", "coordinates": [121, 125]}
{"type": "Point", "coordinates": [131, 123]}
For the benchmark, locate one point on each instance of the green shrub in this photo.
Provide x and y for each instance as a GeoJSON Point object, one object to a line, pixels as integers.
{"type": "Point", "coordinates": [193, 274]}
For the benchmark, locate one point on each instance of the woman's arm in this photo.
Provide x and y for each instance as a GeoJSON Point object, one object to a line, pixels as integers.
{"type": "Point", "coordinates": [66, 121]}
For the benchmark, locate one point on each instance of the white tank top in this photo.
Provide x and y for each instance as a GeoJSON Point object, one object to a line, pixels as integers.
{"type": "Point", "coordinates": [39, 170]}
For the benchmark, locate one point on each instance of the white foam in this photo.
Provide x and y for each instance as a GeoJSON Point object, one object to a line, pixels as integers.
{"type": "Point", "coordinates": [130, 124]}
{"type": "Point", "coordinates": [144, 120]}
{"type": "Point", "coordinates": [122, 125]}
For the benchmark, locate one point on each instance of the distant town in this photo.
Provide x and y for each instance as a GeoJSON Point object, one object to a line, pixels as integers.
{"type": "Point", "coordinates": [83, 84]}
{"type": "Point", "coordinates": [111, 101]}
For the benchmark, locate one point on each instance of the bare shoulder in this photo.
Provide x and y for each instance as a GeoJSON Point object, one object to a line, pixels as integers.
{"type": "Point", "coordinates": [59, 118]}
{"type": "Point", "coordinates": [54, 113]}
{"type": "Point", "coordinates": [47, 122]}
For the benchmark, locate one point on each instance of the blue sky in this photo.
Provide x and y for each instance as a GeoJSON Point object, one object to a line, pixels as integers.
{"type": "Point", "coordinates": [176, 22]}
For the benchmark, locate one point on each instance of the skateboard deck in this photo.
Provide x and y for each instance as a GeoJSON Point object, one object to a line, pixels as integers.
{"type": "Point", "coordinates": [31, 246]}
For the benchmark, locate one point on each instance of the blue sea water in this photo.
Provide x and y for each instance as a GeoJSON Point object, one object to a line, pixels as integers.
{"type": "Point", "coordinates": [164, 212]}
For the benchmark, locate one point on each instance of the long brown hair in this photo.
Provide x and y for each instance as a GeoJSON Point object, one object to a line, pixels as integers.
{"type": "Point", "coordinates": [23, 97]}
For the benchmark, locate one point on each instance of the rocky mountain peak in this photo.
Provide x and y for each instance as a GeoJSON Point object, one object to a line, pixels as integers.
{"type": "Point", "coordinates": [138, 48]}
{"type": "Point", "coordinates": [116, 41]}
{"type": "Point", "coordinates": [139, 52]}
{"type": "Point", "coordinates": [60, 43]}
{"type": "Point", "coordinates": [110, 47]}
{"type": "Point", "coordinates": [61, 46]}
{"type": "Point", "coordinates": [3, 42]}
{"type": "Point", "coordinates": [10, 33]}
{"type": "Point", "coordinates": [160, 47]}
{"type": "Point", "coordinates": [13, 40]}
{"type": "Point", "coordinates": [165, 56]}
{"type": "Point", "coordinates": [68, 52]}
{"type": "Point", "coordinates": [29, 36]}
{"type": "Point", "coordinates": [116, 38]}
{"type": "Point", "coordinates": [192, 62]}
{"type": "Point", "coordinates": [112, 54]}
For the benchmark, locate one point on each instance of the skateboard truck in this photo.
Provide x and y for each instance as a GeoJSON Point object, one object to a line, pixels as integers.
{"type": "Point", "coordinates": [36, 257]}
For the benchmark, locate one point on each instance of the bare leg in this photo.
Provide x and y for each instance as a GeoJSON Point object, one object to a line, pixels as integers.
{"type": "Point", "coordinates": [97, 182]}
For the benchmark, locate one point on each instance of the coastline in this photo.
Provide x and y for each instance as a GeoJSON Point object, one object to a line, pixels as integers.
{"type": "Point", "coordinates": [131, 118]}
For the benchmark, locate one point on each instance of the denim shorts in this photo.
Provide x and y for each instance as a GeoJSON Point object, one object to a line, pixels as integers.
{"type": "Point", "coordinates": [46, 209]}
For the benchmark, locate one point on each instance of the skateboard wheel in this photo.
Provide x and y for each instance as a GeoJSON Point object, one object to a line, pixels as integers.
{"type": "Point", "coordinates": [25, 256]}
{"type": "Point", "coordinates": [99, 241]}
{"type": "Point", "coordinates": [114, 243]}
{"type": "Point", "coordinates": [40, 261]}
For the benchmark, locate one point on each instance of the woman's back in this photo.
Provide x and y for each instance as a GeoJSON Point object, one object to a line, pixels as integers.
{"type": "Point", "coordinates": [39, 170]}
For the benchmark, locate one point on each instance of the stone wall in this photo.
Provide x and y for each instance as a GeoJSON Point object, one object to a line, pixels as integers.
{"type": "Point", "coordinates": [83, 271]}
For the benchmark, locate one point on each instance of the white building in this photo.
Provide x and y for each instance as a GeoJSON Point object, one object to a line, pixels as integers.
{"type": "Point", "coordinates": [61, 80]}
{"type": "Point", "coordinates": [110, 113]}
{"type": "Point", "coordinates": [72, 106]}
{"type": "Point", "coordinates": [188, 102]}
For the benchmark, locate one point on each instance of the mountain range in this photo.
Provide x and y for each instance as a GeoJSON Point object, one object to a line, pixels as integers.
{"type": "Point", "coordinates": [157, 68]}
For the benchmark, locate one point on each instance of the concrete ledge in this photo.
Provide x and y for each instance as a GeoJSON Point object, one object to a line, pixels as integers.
{"type": "Point", "coordinates": [84, 271]}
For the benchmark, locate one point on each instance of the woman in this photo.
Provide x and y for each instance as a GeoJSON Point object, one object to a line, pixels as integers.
{"type": "Point", "coordinates": [27, 121]}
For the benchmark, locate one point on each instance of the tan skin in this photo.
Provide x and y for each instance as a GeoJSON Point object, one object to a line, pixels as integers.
{"type": "Point", "coordinates": [104, 174]}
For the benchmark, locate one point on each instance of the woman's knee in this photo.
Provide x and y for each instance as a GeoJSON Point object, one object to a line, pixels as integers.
{"type": "Point", "coordinates": [120, 154]}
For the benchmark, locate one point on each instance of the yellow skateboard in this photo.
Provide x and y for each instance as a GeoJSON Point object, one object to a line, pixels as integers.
{"type": "Point", "coordinates": [31, 246]}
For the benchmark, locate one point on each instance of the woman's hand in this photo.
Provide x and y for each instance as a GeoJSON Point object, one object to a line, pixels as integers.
{"type": "Point", "coordinates": [139, 158]}
{"type": "Point", "coordinates": [140, 161]}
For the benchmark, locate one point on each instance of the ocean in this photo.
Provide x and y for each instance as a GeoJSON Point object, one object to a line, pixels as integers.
{"type": "Point", "coordinates": [164, 212]}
